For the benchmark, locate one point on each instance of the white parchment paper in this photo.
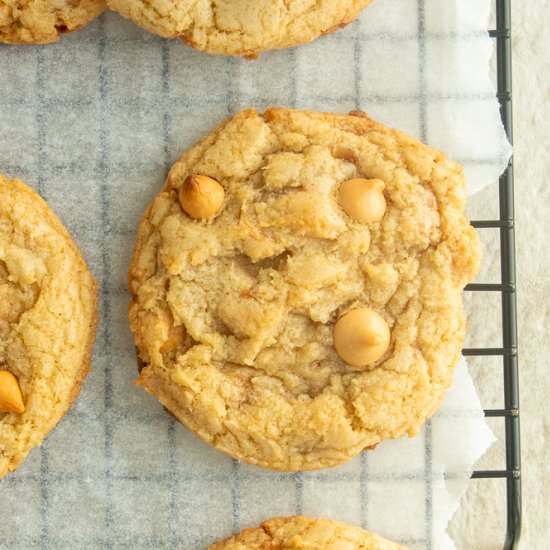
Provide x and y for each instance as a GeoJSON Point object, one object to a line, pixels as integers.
{"type": "Point", "coordinates": [94, 122]}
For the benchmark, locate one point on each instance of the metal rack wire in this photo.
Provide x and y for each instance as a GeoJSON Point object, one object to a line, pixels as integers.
{"type": "Point", "coordinates": [507, 288]}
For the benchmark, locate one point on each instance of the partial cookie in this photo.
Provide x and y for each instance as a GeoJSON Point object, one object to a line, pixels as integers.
{"type": "Point", "coordinates": [297, 286]}
{"type": "Point", "coordinates": [48, 314]}
{"type": "Point", "coordinates": [240, 27]}
{"type": "Point", "coordinates": [43, 21]}
{"type": "Point", "coordinates": [301, 532]}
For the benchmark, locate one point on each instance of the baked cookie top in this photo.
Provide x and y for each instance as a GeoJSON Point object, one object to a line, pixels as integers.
{"type": "Point", "coordinates": [48, 315]}
{"type": "Point", "coordinates": [43, 21]}
{"type": "Point", "coordinates": [240, 27]}
{"type": "Point", "coordinates": [301, 532]}
{"type": "Point", "coordinates": [237, 316]}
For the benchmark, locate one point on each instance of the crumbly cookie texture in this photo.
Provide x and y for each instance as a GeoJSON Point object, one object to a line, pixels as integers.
{"type": "Point", "coordinates": [43, 21]}
{"type": "Point", "coordinates": [240, 27]}
{"type": "Point", "coordinates": [302, 533]}
{"type": "Point", "coordinates": [234, 316]}
{"type": "Point", "coordinates": [48, 314]}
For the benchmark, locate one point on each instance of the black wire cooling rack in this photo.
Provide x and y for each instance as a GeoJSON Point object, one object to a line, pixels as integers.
{"type": "Point", "coordinates": [507, 288]}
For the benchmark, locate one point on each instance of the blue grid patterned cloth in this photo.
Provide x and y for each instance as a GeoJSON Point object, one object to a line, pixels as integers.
{"type": "Point", "coordinates": [94, 123]}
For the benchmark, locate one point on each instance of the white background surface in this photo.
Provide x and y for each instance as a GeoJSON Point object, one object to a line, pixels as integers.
{"type": "Point", "coordinates": [476, 525]}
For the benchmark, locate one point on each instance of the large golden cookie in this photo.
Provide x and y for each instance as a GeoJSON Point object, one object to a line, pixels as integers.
{"type": "Point", "coordinates": [234, 307]}
{"type": "Point", "coordinates": [300, 532]}
{"type": "Point", "coordinates": [240, 27]}
{"type": "Point", "coordinates": [48, 314]}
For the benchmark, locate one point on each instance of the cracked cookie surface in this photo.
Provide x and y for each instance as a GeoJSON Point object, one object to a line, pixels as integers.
{"type": "Point", "coordinates": [240, 27]}
{"type": "Point", "coordinates": [43, 21]}
{"type": "Point", "coordinates": [301, 532]}
{"type": "Point", "coordinates": [233, 317]}
{"type": "Point", "coordinates": [48, 314]}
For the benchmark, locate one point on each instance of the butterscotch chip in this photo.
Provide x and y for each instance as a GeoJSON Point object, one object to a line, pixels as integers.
{"type": "Point", "coordinates": [361, 337]}
{"type": "Point", "coordinates": [301, 532]}
{"type": "Point", "coordinates": [201, 197]}
{"type": "Point", "coordinates": [363, 200]}
{"type": "Point", "coordinates": [235, 319]}
{"type": "Point", "coordinates": [240, 27]}
{"type": "Point", "coordinates": [48, 313]}
{"type": "Point", "coordinates": [11, 399]}
{"type": "Point", "coordinates": [43, 21]}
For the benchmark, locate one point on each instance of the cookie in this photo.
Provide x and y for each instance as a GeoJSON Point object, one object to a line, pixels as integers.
{"type": "Point", "coordinates": [48, 314]}
{"type": "Point", "coordinates": [303, 532]}
{"type": "Point", "coordinates": [296, 286]}
{"type": "Point", "coordinates": [240, 27]}
{"type": "Point", "coordinates": [43, 21]}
